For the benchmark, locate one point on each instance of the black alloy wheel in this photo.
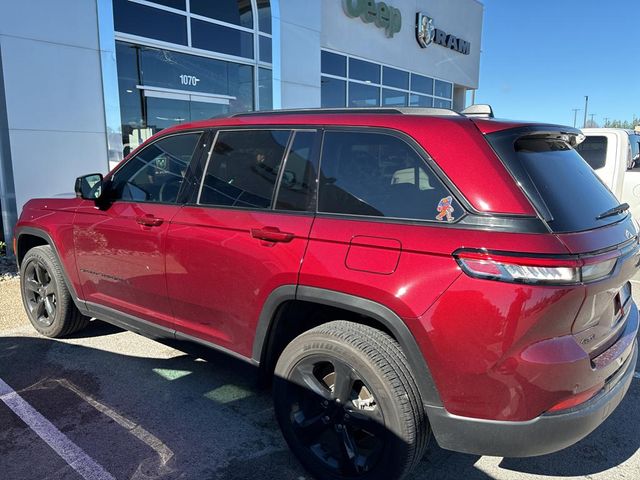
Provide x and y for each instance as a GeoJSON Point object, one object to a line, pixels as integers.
{"type": "Point", "coordinates": [40, 293]}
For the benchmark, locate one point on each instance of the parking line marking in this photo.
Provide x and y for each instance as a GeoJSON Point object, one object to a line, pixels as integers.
{"type": "Point", "coordinates": [58, 441]}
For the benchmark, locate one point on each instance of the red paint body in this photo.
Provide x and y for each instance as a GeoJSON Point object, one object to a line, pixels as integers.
{"type": "Point", "coordinates": [496, 350]}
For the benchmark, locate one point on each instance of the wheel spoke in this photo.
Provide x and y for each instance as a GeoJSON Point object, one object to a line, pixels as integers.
{"type": "Point", "coordinates": [343, 382]}
{"type": "Point", "coordinates": [40, 273]}
{"type": "Point", "coordinates": [304, 377]}
{"type": "Point", "coordinates": [49, 290]}
{"type": "Point", "coordinates": [31, 285]}
{"type": "Point", "coordinates": [350, 460]}
{"type": "Point", "coordinates": [39, 308]}
{"type": "Point", "coordinates": [370, 421]}
{"type": "Point", "coordinates": [309, 429]}
{"type": "Point", "coordinates": [49, 307]}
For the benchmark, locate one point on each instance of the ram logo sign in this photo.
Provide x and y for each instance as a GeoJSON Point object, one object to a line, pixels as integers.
{"type": "Point", "coordinates": [426, 34]}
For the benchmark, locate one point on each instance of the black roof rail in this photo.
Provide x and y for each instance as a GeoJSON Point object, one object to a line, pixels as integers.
{"type": "Point", "coordinates": [372, 110]}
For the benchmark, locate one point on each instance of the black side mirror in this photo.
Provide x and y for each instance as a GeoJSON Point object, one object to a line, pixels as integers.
{"type": "Point", "coordinates": [89, 186]}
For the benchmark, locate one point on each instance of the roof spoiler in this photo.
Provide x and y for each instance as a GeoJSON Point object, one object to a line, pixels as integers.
{"type": "Point", "coordinates": [480, 110]}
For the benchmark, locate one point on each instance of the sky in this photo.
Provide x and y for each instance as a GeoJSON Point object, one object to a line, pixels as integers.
{"type": "Point", "coordinates": [540, 58]}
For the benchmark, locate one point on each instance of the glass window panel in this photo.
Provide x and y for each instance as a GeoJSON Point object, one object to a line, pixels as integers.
{"type": "Point", "coordinates": [420, 101]}
{"type": "Point", "coordinates": [439, 103]}
{"type": "Point", "coordinates": [244, 167]}
{"type": "Point", "coordinates": [241, 84]}
{"type": "Point", "coordinates": [393, 98]}
{"type": "Point", "coordinates": [334, 64]}
{"type": "Point", "coordinates": [363, 95]}
{"type": "Point", "coordinates": [392, 77]}
{"type": "Point", "coordinates": [219, 38]}
{"type": "Point", "coordinates": [166, 112]}
{"type": "Point", "coordinates": [365, 71]}
{"type": "Point", "coordinates": [333, 93]}
{"type": "Point", "coordinates": [264, 16]}
{"type": "Point", "coordinates": [594, 151]}
{"type": "Point", "coordinates": [149, 22]}
{"type": "Point", "coordinates": [237, 12]}
{"type": "Point", "coordinates": [178, 4]}
{"type": "Point", "coordinates": [380, 175]}
{"type": "Point", "coordinates": [421, 84]}
{"type": "Point", "coordinates": [156, 173]}
{"type": "Point", "coordinates": [265, 86]}
{"type": "Point", "coordinates": [297, 186]}
{"type": "Point", "coordinates": [130, 97]}
{"type": "Point", "coordinates": [265, 49]}
{"type": "Point", "coordinates": [443, 89]}
{"type": "Point", "coordinates": [206, 110]}
{"type": "Point", "coordinates": [167, 69]}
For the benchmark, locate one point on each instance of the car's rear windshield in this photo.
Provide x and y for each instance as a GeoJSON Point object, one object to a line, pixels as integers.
{"type": "Point", "coordinates": [594, 151]}
{"type": "Point", "coordinates": [561, 185]}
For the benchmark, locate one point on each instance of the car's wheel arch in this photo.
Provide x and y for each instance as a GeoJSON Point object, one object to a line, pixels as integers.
{"type": "Point", "coordinates": [29, 237]}
{"type": "Point", "coordinates": [381, 316]}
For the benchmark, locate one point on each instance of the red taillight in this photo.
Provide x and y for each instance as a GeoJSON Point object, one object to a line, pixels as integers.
{"type": "Point", "coordinates": [576, 399]}
{"type": "Point", "coordinates": [547, 270]}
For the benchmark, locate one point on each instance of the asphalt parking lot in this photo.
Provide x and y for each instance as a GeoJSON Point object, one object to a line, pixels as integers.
{"type": "Point", "coordinates": [126, 407]}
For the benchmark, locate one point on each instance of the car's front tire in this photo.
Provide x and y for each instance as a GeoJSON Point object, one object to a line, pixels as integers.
{"type": "Point", "coordinates": [348, 405]}
{"type": "Point", "coordinates": [45, 295]}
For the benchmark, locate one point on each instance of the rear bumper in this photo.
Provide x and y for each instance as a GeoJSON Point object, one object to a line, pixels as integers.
{"type": "Point", "coordinates": [545, 434]}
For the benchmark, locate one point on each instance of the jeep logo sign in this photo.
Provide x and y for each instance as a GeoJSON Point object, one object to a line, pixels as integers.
{"type": "Point", "coordinates": [379, 13]}
{"type": "Point", "coordinates": [427, 34]}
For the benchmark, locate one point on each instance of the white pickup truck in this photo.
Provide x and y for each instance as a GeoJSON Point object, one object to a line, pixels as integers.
{"type": "Point", "coordinates": [614, 153]}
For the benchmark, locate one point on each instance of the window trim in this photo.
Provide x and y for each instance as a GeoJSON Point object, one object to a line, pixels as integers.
{"type": "Point", "coordinates": [180, 200]}
{"type": "Point", "coordinates": [422, 154]}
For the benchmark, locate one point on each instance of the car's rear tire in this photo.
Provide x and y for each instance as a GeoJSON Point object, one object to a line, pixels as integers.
{"type": "Point", "coordinates": [45, 295]}
{"type": "Point", "coordinates": [348, 405]}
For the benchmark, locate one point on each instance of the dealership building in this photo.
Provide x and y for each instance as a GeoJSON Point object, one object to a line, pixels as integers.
{"type": "Point", "coordinates": [83, 82]}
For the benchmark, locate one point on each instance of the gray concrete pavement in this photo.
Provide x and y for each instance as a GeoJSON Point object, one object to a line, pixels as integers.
{"type": "Point", "coordinates": [145, 410]}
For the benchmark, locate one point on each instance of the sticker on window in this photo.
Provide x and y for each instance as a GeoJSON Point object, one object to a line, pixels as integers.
{"type": "Point", "coordinates": [445, 209]}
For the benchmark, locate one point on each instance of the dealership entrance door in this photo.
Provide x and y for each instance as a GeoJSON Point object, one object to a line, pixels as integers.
{"type": "Point", "coordinates": [168, 107]}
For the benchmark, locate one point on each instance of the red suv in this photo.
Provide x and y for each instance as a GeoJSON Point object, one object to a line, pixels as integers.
{"type": "Point", "coordinates": [400, 272]}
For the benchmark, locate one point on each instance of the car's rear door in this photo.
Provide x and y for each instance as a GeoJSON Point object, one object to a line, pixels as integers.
{"type": "Point", "coordinates": [244, 233]}
{"type": "Point", "coordinates": [119, 242]}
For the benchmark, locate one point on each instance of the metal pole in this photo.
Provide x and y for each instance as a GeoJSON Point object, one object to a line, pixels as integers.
{"type": "Point", "coordinates": [575, 115]}
{"type": "Point", "coordinates": [592, 115]}
{"type": "Point", "coordinates": [586, 106]}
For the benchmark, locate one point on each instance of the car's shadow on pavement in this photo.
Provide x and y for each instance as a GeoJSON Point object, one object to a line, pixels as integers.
{"type": "Point", "coordinates": [153, 413]}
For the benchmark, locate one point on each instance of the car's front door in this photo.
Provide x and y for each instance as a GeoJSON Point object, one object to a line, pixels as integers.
{"type": "Point", "coordinates": [119, 242]}
{"type": "Point", "coordinates": [245, 239]}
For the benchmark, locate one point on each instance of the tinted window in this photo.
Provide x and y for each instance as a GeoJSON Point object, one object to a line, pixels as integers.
{"type": "Point", "coordinates": [237, 12]}
{"type": "Point", "coordinates": [265, 86]}
{"type": "Point", "coordinates": [594, 151]}
{"type": "Point", "coordinates": [394, 98]}
{"type": "Point", "coordinates": [440, 103]}
{"type": "Point", "coordinates": [156, 173]}
{"type": "Point", "coordinates": [265, 49]}
{"type": "Point", "coordinates": [443, 89]}
{"type": "Point", "coordinates": [264, 16]}
{"type": "Point", "coordinates": [365, 71]}
{"type": "Point", "coordinates": [420, 101]}
{"type": "Point", "coordinates": [634, 140]}
{"type": "Point", "coordinates": [297, 186]}
{"type": "Point", "coordinates": [334, 64]}
{"type": "Point", "coordinates": [243, 168]}
{"type": "Point", "coordinates": [178, 4]}
{"type": "Point", "coordinates": [380, 175]}
{"type": "Point", "coordinates": [363, 95]}
{"type": "Point", "coordinates": [218, 38]}
{"type": "Point", "coordinates": [333, 93]}
{"type": "Point", "coordinates": [421, 84]}
{"type": "Point", "coordinates": [395, 78]}
{"type": "Point", "coordinates": [149, 22]}
{"type": "Point", "coordinates": [565, 190]}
